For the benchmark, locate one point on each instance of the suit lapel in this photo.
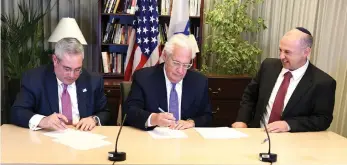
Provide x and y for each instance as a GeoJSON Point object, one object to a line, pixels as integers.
{"type": "Point", "coordinates": [161, 88]}
{"type": "Point", "coordinates": [82, 92]}
{"type": "Point", "coordinates": [304, 84]}
{"type": "Point", "coordinates": [186, 90]}
{"type": "Point", "coordinates": [271, 79]}
{"type": "Point", "coordinates": [51, 87]}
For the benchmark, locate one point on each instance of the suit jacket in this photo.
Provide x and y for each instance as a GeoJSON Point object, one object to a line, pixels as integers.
{"type": "Point", "coordinates": [310, 107]}
{"type": "Point", "coordinates": [39, 95]}
{"type": "Point", "coordinates": [148, 92]}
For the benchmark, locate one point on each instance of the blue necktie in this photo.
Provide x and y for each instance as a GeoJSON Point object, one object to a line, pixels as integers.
{"type": "Point", "coordinates": [173, 105]}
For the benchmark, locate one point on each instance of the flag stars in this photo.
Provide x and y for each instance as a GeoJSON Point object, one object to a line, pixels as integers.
{"type": "Point", "coordinates": [154, 40]}
{"type": "Point", "coordinates": [146, 50]}
{"type": "Point", "coordinates": [152, 19]}
{"type": "Point", "coordinates": [146, 40]}
{"type": "Point", "coordinates": [145, 30]}
{"type": "Point", "coordinates": [136, 8]}
{"type": "Point", "coordinates": [153, 29]}
{"type": "Point", "coordinates": [157, 20]}
{"type": "Point", "coordinates": [138, 30]}
{"type": "Point", "coordinates": [144, 19]}
{"type": "Point", "coordinates": [139, 40]}
{"type": "Point", "coordinates": [143, 8]}
{"type": "Point", "coordinates": [151, 8]}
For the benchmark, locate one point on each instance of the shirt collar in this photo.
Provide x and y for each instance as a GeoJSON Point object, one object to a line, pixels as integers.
{"type": "Point", "coordinates": [60, 83]}
{"type": "Point", "coordinates": [168, 82]}
{"type": "Point", "coordinates": [297, 73]}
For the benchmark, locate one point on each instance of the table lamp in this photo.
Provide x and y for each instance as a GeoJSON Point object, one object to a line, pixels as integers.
{"type": "Point", "coordinates": [67, 27]}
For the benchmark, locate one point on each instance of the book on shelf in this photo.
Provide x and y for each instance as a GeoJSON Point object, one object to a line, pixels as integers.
{"type": "Point", "coordinates": [194, 7]}
{"type": "Point", "coordinates": [112, 62]}
{"type": "Point", "coordinates": [116, 33]}
{"type": "Point", "coordinates": [111, 6]}
{"type": "Point", "coordinates": [129, 7]}
{"type": "Point", "coordinates": [119, 6]}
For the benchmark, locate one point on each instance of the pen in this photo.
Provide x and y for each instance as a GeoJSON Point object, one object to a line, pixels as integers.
{"type": "Point", "coordinates": [161, 110]}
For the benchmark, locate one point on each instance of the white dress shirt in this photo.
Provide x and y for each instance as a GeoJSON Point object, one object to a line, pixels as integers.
{"type": "Point", "coordinates": [294, 81]}
{"type": "Point", "coordinates": [35, 120]}
{"type": "Point", "coordinates": [178, 89]}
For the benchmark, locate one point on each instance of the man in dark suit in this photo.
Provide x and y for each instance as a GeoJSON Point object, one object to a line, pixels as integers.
{"type": "Point", "coordinates": [61, 94]}
{"type": "Point", "coordinates": [169, 94]}
{"type": "Point", "coordinates": [289, 94]}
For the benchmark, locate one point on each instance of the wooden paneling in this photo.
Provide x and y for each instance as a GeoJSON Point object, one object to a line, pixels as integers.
{"type": "Point", "coordinates": [225, 94]}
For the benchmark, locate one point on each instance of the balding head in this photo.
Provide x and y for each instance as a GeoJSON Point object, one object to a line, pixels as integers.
{"type": "Point", "coordinates": [302, 35]}
{"type": "Point", "coordinates": [295, 47]}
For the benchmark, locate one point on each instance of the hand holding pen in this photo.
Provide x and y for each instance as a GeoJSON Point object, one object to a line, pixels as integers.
{"type": "Point", "coordinates": [163, 119]}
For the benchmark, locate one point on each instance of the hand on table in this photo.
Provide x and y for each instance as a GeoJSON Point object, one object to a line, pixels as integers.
{"type": "Point", "coordinates": [183, 124]}
{"type": "Point", "coordinates": [239, 125]}
{"type": "Point", "coordinates": [55, 121]}
{"type": "Point", "coordinates": [86, 124]}
{"type": "Point", "coordinates": [277, 126]}
{"type": "Point", "coordinates": [162, 119]}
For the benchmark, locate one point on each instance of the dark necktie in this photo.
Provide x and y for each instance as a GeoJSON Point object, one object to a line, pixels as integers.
{"type": "Point", "coordinates": [277, 107]}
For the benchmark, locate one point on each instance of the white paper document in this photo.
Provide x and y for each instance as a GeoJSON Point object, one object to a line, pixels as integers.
{"type": "Point", "coordinates": [82, 144]}
{"type": "Point", "coordinates": [220, 133]}
{"type": "Point", "coordinates": [77, 139]}
{"type": "Point", "coordinates": [166, 133]}
{"type": "Point", "coordinates": [72, 133]}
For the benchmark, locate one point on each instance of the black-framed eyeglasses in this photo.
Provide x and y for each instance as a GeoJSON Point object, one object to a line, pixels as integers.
{"type": "Point", "coordinates": [179, 64]}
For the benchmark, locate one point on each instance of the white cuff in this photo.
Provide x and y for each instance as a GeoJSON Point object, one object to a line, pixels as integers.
{"type": "Point", "coordinates": [35, 121]}
{"type": "Point", "coordinates": [148, 122]}
{"type": "Point", "coordinates": [288, 126]}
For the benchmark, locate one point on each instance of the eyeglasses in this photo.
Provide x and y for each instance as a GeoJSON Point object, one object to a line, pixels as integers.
{"type": "Point", "coordinates": [178, 64]}
{"type": "Point", "coordinates": [68, 70]}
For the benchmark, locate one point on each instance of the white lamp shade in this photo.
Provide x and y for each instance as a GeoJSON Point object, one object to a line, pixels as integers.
{"type": "Point", "coordinates": [67, 27]}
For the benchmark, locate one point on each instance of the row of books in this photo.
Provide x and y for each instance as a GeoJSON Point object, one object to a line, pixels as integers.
{"type": "Point", "coordinates": [112, 62]}
{"type": "Point", "coordinates": [116, 33]}
{"type": "Point", "coordinates": [194, 7]}
{"type": "Point", "coordinates": [120, 34]}
{"type": "Point", "coordinates": [122, 6]}
{"type": "Point", "coordinates": [128, 7]}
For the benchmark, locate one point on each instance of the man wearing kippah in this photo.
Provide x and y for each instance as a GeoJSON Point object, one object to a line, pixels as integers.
{"type": "Point", "coordinates": [289, 94]}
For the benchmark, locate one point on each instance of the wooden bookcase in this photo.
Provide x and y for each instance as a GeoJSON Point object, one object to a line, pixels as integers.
{"type": "Point", "coordinates": [127, 19]}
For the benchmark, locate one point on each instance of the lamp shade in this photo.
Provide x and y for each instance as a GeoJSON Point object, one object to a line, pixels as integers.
{"type": "Point", "coordinates": [67, 27]}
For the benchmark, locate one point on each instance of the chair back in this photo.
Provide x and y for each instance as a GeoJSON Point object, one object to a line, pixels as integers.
{"type": "Point", "coordinates": [124, 90]}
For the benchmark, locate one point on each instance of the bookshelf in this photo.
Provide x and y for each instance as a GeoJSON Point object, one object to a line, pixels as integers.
{"type": "Point", "coordinates": [225, 101]}
{"type": "Point", "coordinates": [125, 20]}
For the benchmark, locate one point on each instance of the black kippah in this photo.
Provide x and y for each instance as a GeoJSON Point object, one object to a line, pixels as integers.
{"type": "Point", "coordinates": [304, 30]}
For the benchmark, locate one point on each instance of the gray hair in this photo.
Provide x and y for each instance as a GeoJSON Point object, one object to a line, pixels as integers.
{"type": "Point", "coordinates": [307, 41]}
{"type": "Point", "coordinates": [69, 46]}
{"type": "Point", "coordinates": [180, 40]}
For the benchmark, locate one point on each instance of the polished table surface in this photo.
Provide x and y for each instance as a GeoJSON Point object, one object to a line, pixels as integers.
{"type": "Point", "coordinates": [22, 146]}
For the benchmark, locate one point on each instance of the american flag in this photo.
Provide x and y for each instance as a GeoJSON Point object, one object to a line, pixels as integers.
{"type": "Point", "coordinates": [143, 50]}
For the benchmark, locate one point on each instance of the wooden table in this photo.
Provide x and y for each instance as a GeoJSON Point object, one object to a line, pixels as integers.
{"type": "Point", "coordinates": [22, 146]}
